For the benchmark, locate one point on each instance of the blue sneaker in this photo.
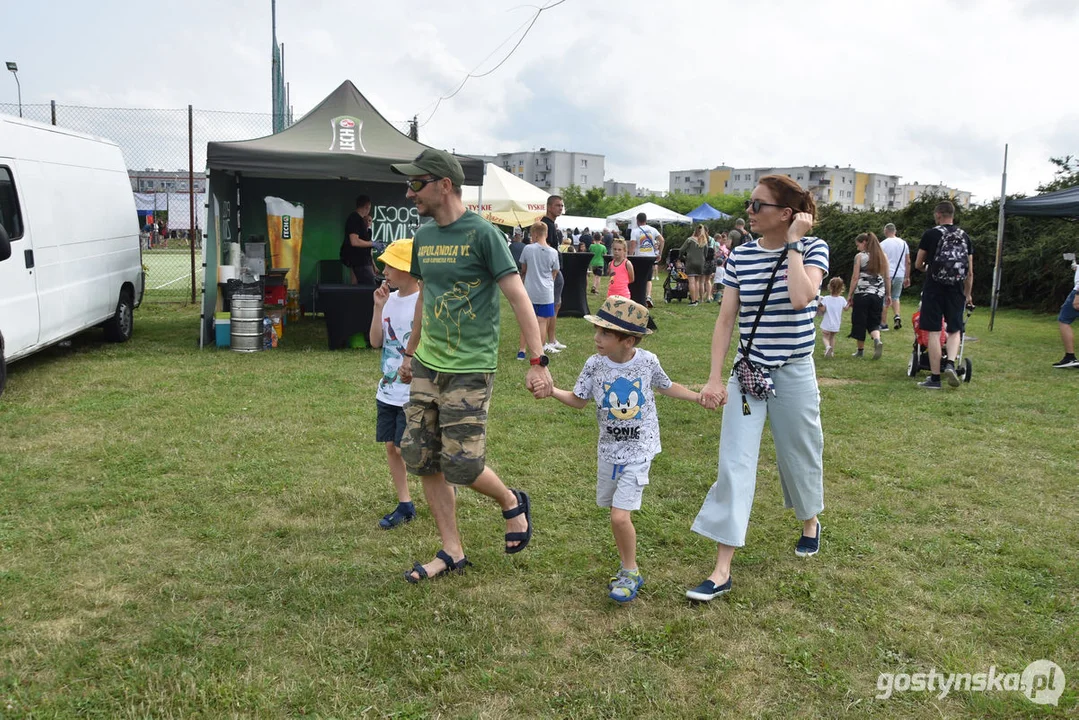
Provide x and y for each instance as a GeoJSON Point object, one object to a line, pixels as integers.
{"type": "Point", "coordinates": [624, 586]}
{"type": "Point", "coordinates": [403, 513]}
{"type": "Point", "coordinates": [520, 354]}
{"type": "Point", "coordinates": [708, 590]}
{"type": "Point", "coordinates": [808, 546]}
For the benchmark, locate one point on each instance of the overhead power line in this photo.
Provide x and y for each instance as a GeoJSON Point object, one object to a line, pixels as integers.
{"type": "Point", "coordinates": [473, 74]}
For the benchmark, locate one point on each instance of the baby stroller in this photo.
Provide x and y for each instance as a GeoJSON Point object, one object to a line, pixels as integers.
{"type": "Point", "coordinates": [676, 284]}
{"type": "Point", "coordinates": [919, 356]}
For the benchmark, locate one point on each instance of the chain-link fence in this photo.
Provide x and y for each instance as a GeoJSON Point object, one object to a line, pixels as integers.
{"type": "Point", "coordinates": [165, 152]}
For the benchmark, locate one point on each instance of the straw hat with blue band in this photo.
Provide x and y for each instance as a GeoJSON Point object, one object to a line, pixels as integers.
{"type": "Point", "coordinates": [622, 315]}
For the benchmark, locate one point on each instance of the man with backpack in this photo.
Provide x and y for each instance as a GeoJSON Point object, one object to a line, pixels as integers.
{"type": "Point", "coordinates": [946, 255]}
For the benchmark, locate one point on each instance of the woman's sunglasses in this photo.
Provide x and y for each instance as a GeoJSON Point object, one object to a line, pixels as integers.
{"type": "Point", "coordinates": [756, 205]}
{"type": "Point", "coordinates": [417, 185]}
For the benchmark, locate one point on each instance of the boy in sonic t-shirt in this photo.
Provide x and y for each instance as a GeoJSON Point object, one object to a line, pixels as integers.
{"type": "Point", "coordinates": [620, 378]}
{"type": "Point", "coordinates": [391, 326]}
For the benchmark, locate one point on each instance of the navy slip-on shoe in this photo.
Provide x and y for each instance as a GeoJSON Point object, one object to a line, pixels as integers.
{"type": "Point", "coordinates": [808, 546]}
{"type": "Point", "coordinates": [708, 590]}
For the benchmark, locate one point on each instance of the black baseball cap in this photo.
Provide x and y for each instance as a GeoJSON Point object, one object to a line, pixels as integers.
{"type": "Point", "coordinates": [435, 162]}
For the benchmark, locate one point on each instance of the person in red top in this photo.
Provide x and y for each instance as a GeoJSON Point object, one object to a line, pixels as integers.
{"type": "Point", "coordinates": [620, 270]}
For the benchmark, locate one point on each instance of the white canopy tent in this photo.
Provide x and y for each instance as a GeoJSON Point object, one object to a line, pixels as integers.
{"type": "Point", "coordinates": [655, 213]}
{"type": "Point", "coordinates": [505, 198]}
{"type": "Point", "coordinates": [568, 222]}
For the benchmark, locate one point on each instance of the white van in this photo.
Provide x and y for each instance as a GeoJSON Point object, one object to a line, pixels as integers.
{"type": "Point", "coordinates": [70, 257]}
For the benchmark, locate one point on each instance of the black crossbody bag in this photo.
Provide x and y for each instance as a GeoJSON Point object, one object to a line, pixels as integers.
{"type": "Point", "coordinates": [752, 379]}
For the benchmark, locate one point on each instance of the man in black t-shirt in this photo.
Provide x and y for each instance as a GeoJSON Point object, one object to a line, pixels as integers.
{"type": "Point", "coordinates": [356, 247]}
{"type": "Point", "coordinates": [942, 301]}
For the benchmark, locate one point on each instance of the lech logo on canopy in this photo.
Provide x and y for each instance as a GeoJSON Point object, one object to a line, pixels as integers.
{"type": "Point", "coordinates": [346, 134]}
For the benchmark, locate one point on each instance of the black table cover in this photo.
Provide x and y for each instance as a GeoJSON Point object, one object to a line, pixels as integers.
{"type": "Point", "coordinates": [348, 311]}
{"type": "Point", "coordinates": [575, 287]}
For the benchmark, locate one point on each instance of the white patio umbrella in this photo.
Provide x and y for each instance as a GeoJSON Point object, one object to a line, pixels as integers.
{"type": "Point", "coordinates": [505, 199]}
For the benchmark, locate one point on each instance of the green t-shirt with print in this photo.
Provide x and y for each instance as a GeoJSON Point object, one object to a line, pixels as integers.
{"type": "Point", "coordinates": [460, 266]}
{"type": "Point", "coordinates": [598, 250]}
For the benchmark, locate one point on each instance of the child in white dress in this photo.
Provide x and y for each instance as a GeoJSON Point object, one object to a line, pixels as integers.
{"type": "Point", "coordinates": [831, 308]}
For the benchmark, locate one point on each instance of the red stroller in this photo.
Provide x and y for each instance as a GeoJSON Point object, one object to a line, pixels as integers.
{"type": "Point", "coordinates": [919, 356]}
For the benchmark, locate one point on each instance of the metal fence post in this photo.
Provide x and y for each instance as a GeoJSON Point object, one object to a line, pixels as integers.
{"type": "Point", "coordinates": [191, 194]}
{"type": "Point", "coordinates": [52, 104]}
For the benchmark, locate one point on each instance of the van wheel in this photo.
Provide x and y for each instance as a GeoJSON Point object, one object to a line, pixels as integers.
{"type": "Point", "coordinates": [3, 372]}
{"type": "Point", "coordinates": [119, 327]}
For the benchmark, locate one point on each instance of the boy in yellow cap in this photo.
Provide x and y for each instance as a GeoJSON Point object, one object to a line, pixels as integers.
{"type": "Point", "coordinates": [391, 326]}
{"type": "Point", "coordinates": [620, 378]}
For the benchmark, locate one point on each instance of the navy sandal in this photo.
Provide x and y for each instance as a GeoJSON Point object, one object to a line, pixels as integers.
{"type": "Point", "coordinates": [523, 506]}
{"type": "Point", "coordinates": [403, 513]}
{"type": "Point", "coordinates": [451, 566]}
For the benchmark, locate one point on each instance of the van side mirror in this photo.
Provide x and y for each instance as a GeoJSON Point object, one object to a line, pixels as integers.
{"type": "Point", "coordinates": [5, 244]}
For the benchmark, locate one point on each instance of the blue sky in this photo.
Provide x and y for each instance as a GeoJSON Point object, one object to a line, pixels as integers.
{"type": "Point", "coordinates": [927, 90]}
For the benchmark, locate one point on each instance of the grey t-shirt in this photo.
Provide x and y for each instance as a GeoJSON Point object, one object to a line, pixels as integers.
{"type": "Point", "coordinates": [542, 261]}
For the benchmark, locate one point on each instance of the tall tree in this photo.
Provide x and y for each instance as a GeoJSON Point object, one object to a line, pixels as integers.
{"type": "Point", "coordinates": [1066, 175]}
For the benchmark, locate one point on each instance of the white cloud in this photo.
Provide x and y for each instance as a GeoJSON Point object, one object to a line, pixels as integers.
{"type": "Point", "coordinates": [927, 90]}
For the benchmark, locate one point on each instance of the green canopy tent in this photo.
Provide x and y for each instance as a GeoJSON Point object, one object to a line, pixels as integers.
{"type": "Point", "coordinates": [340, 149]}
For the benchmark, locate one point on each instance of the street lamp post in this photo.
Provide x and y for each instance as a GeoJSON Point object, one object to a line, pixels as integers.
{"type": "Point", "coordinates": [14, 68]}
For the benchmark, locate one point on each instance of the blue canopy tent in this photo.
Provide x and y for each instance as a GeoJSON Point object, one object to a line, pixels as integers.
{"type": "Point", "coordinates": [704, 211]}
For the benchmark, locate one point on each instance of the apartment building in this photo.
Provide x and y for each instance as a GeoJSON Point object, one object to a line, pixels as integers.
{"type": "Point", "coordinates": [149, 180]}
{"type": "Point", "coordinates": [553, 170]}
{"type": "Point", "coordinates": [909, 192]}
{"type": "Point", "coordinates": [613, 188]}
{"type": "Point", "coordinates": [850, 188]}
{"type": "Point", "coordinates": [700, 181]}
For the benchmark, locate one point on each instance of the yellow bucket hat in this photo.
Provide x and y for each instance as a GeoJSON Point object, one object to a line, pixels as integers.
{"type": "Point", "coordinates": [398, 255]}
{"type": "Point", "coordinates": [622, 315]}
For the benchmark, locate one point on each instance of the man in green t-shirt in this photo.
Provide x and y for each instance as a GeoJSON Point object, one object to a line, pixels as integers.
{"type": "Point", "coordinates": [461, 262]}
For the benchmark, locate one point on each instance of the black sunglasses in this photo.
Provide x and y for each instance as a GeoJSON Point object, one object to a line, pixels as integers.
{"type": "Point", "coordinates": [756, 205]}
{"type": "Point", "coordinates": [417, 185]}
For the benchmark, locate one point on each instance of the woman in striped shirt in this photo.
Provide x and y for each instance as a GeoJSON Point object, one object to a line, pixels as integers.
{"type": "Point", "coordinates": [780, 216]}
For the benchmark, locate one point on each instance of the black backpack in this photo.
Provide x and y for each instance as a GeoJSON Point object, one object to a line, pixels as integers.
{"type": "Point", "coordinates": [950, 266]}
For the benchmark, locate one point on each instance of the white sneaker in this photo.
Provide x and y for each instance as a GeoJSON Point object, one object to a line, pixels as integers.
{"type": "Point", "coordinates": [829, 351]}
{"type": "Point", "coordinates": [558, 345]}
{"type": "Point", "coordinates": [550, 350]}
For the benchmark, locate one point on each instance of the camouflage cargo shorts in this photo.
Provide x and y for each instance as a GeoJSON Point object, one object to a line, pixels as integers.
{"type": "Point", "coordinates": [446, 424]}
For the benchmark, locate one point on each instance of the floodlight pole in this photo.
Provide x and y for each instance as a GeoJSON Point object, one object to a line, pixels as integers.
{"type": "Point", "coordinates": [998, 270]}
{"type": "Point", "coordinates": [14, 68]}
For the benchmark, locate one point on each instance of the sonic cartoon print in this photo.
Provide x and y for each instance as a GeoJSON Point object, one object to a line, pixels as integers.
{"type": "Point", "coordinates": [623, 399]}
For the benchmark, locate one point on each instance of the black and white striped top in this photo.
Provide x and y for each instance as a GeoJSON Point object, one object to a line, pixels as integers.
{"type": "Point", "coordinates": [784, 333]}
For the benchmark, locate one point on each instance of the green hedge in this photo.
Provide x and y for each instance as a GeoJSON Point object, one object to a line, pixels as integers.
{"type": "Point", "coordinates": [1035, 275]}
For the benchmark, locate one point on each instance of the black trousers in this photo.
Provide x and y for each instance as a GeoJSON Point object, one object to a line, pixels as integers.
{"type": "Point", "coordinates": [865, 314]}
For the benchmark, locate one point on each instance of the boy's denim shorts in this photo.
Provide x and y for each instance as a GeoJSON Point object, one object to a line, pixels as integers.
{"type": "Point", "coordinates": [390, 425]}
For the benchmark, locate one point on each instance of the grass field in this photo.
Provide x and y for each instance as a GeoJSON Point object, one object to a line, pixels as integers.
{"type": "Point", "coordinates": [190, 533]}
{"type": "Point", "coordinates": [168, 274]}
